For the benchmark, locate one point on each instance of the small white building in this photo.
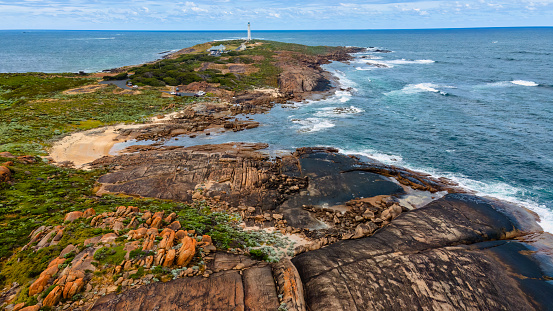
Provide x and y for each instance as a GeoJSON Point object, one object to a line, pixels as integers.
{"type": "Point", "coordinates": [216, 50]}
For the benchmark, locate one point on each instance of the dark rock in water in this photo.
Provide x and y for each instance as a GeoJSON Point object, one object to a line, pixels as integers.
{"type": "Point", "coordinates": [378, 65]}
{"type": "Point", "coordinates": [431, 258]}
{"type": "Point", "coordinates": [331, 182]}
{"type": "Point", "coordinates": [381, 51]}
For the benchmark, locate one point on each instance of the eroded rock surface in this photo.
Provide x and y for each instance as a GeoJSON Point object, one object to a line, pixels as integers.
{"type": "Point", "coordinates": [250, 289]}
{"type": "Point", "coordinates": [435, 258]}
{"type": "Point", "coordinates": [238, 175]}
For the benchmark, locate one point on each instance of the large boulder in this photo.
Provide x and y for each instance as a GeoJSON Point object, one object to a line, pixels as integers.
{"type": "Point", "coordinates": [72, 288]}
{"type": "Point", "coordinates": [40, 284]}
{"type": "Point", "coordinates": [187, 251]}
{"type": "Point", "coordinates": [72, 216]}
{"type": "Point", "coordinates": [5, 174]}
{"type": "Point", "coordinates": [53, 297]}
{"type": "Point", "coordinates": [89, 212]}
{"type": "Point", "coordinates": [7, 155]}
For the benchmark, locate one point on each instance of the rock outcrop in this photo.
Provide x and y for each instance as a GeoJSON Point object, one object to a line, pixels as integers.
{"type": "Point", "coordinates": [249, 288]}
{"type": "Point", "coordinates": [299, 80]}
{"type": "Point", "coordinates": [238, 175]}
{"type": "Point", "coordinates": [451, 254]}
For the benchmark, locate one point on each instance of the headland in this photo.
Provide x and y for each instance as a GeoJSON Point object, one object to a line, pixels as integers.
{"type": "Point", "coordinates": [234, 226]}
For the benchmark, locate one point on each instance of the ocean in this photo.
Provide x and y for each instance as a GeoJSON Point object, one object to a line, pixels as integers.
{"type": "Point", "coordinates": [472, 105]}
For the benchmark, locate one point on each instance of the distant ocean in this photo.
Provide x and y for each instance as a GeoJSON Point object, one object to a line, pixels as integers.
{"type": "Point", "coordinates": [473, 105]}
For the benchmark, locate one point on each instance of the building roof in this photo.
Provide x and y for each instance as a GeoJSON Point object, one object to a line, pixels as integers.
{"type": "Point", "coordinates": [217, 48]}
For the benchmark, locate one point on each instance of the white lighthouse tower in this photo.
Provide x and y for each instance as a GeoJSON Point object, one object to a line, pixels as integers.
{"type": "Point", "coordinates": [249, 32]}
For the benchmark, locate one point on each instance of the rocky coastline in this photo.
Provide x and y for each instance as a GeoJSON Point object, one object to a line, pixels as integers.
{"type": "Point", "coordinates": [358, 235]}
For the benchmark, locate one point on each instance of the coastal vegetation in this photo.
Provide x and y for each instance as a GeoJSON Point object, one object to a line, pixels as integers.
{"type": "Point", "coordinates": [35, 110]}
{"type": "Point", "coordinates": [42, 194]}
{"type": "Point", "coordinates": [193, 67]}
{"type": "Point", "coordinates": [37, 197]}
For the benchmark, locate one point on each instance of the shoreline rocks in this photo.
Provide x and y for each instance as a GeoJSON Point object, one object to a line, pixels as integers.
{"type": "Point", "coordinates": [430, 258]}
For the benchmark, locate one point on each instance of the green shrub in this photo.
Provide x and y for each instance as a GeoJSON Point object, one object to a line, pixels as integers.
{"type": "Point", "coordinates": [138, 253]}
{"type": "Point", "coordinates": [139, 274]}
{"type": "Point", "coordinates": [110, 255]}
{"type": "Point", "coordinates": [258, 254]}
{"type": "Point", "coordinates": [121, 76]}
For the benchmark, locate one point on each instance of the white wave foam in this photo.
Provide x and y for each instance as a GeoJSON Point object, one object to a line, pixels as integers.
{"type": "Point", "coordinates": [338, 111]}
{"type": "Point", "coordinates": [340, 96]}
{"type": "Point", "coordinates": [496, 190]}
{"type": "Point", "coordinates": [373, 49]}
{"type": "Point", "coordinates": [497, 84]}
{"type": "Point", "coordinates": [311, 125]}
{"type": "Point", "coordinates": [405, 61]}
{"type": "Point", "coordinates": [381, 64]}
{"type": "Point", "coordinates": [392, 62]}
{"type": "Point", "coordinates": [363, 68]}
{"type": "Point", "coordinates": [509, 83]}
{"type": "Point", "coordinates": [421, 87]}
{"type": "Point", "coordinates": [501, 191]}
{"type": "Point", "coordinates": [391, 159]}
{"type": "Point", "coordinates": [364, 56]}
{"type": "Point", "coordinates": [524, 83]}
{"type": "Point", "coordinates": [348, 86]}
{"type": "Point", "coordinates": [343, 96]}
{"type": "Point", "coordinates": [342, 79]}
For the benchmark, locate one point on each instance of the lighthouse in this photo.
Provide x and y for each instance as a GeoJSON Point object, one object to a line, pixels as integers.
{"type": "Point", "coordinates": [249, 32]}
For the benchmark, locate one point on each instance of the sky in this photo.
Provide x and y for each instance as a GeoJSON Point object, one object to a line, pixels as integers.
{"type": "Point", "coordinates": [271, 14]}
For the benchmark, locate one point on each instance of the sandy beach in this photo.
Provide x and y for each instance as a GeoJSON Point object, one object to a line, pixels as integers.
{"type": "Point", "coordinates": [84, 147]}
{"type": "Point", "coordinates": [87, 146]}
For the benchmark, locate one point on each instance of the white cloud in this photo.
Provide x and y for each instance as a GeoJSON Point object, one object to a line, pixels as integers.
{"type": "Point", "coordinates": [197, 9]}
{"type": "Point", "coordinates": [224, 14]}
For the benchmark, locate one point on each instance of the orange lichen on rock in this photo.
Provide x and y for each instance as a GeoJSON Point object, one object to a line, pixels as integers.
{"type": "Point", "coordinates": [53, 297]}
{"type": "Point", "coordinates": [187, 251]}
{"type": "Point", "coordinates": [5, 174]}
{"type": "Point", "coordinates": [169, 258]}
{"type": "Point", "coordinates": [156, 223]}
{"type": "Point", "coordinates": [168, 237]}
{"type": "Point", "coordinates": [89, 212]}
{"type": "Point", "coordinates": [71, 288]}
{"type": "Point", "coordinates": [72, 216]}
{"type": "Point", "coordinates": [39, 285]}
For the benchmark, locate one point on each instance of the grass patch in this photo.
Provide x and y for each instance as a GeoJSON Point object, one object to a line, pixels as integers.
{"type": "Point", "coordinates": [140, 273]}
{"type": "Point", "coordinates": [34, 110]}
{"type": "Point", "coordinates": [110, 255]}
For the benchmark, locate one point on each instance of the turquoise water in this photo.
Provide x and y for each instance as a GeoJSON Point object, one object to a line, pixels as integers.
{"type": "Point", "coordinates": [473, 105]}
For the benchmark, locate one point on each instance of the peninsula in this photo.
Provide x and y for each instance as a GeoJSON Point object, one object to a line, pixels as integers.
{"type": "Point", "coordinates": [234, 226]}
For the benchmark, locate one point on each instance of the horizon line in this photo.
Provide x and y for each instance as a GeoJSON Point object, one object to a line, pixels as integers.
{"type": "Point", "coordinates": [233, 30]}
